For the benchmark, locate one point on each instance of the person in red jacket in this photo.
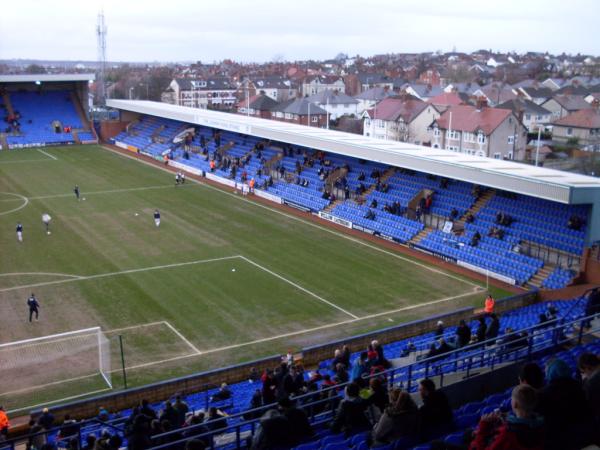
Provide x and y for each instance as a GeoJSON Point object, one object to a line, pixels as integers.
{"type": "Point", "coordinates": [521, 430]}
{"type": "Point", "coordinates": [4, 423]}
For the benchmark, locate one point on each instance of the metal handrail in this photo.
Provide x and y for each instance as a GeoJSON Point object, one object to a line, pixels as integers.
{"type": "Point", "coordinates": [490, 354]}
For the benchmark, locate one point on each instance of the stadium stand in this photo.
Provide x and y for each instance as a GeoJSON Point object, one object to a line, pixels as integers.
{"type": "Point", "coordinates": [380, 200]}
{"type": "Point", "coordinates": [558, 336]}
{"type": "Point", "coordinates": [43, 118]}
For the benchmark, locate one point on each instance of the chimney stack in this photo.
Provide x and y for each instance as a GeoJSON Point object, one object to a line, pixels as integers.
{"type": "Point", "coordinates": [481, 103]}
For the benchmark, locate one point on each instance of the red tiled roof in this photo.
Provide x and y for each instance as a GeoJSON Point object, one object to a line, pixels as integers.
{"type": "Point", "coordinates": [394, 108]}
{"type": "Point", "coordinates": [584, 118]}
{"type": "Point", "coordinates": [470, 119]}
{"type": "Point", "coordinates": [446, 99]}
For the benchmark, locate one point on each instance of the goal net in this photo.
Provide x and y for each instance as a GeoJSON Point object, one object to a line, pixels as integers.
{"type": "Point", "coordinates": [51, 360]}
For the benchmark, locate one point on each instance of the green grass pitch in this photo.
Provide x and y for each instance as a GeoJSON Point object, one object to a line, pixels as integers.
{"type": "Point", "coordinates": [222, 280]}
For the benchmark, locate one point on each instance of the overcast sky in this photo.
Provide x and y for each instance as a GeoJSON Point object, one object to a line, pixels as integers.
{"type": "Point", "coordinates": [259, 30]}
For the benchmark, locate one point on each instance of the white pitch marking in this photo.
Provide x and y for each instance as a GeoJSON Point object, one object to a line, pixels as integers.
{"type": "Point", "coordinates": [47, 154]}
{"type": "Point", "coordinates": [244, 344]}
{"type": "Point", "coordinates": [22, 161]}
{"type": "Point", "coordinates": [131, 327]}
{"type": "Point", "coordinates": [182, 337]}
{"type": "Point", "coordinates": [39, 273]}
{"type": "Point", "coordinates": [19, 196]}
{"type": "Point", "coordinates": [110, 191]}
{"type": "Point", "coordinates": [297, 286]}
{"type": "Point", "coordinates": [72, 397]}
{"type": "Point", "coordinates": [298, 219]}
{"type": "Point", "coordinates": [122, 272]}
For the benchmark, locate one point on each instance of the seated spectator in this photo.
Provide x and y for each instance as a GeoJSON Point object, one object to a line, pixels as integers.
{"type": "Point", "coordinates": [224, 393]}
{"type": "Point", "coordinates": [435, 415]}
{"type": "Point", "coordinates": [565, 410]}
{"type": "Point", "coordinates": [378, 394]}
{"type": "Point", "coordinates": [373, 204]}
{"type": "Point", "coordinates": [350, 416]}
{"type": "Point", "coordinates": [523, 429]}
{"type": "Point", "coordinates": [589, 366]}
{"type": "Point", "coordinates": [592, 306]}
{"type": "Point", "coordinates": [575, 222]}
{"type": "Point", "coordinates": [147, 410]}
{"type": "Point", "coordinates": [406, 351]}
{"type": "Point", "coordinates": [359, 367]}
{"type": "Point", "coordinates": [370, 215]}
{"type": "Point", "coordinates": [453, 214]}
{"type": "Point", "coordinates": [253, 376]}
{"type": "Point", "coordinates": [341, 374]}
{"type": "Point", "coordinates": [215, 420]}
{"type": "Point", "coordinates": [532, 375]}
{"type": "Point", "coordinates": [299, 427]}
{"type": "Point", "coordinates": [337, 358]}
{"type": "Point", "coordinates": [170, 415]}
{"type": "Point", "coordinates": [469, 218]}
{"type": "Point", "coordinates": [399, 419]}
{"type": "Point", "coordinates": [272, 432]}
{"type": "Point", "coordinates": [346, 353]}
{"type": "Point", "coordinates": [68, 428]}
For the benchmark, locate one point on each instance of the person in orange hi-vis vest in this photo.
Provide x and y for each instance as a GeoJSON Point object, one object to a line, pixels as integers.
{"type": "Point", "coordinates": [4, 423]}
{"type": "Point", "coordinates": [489, 304]}
{"type": "Point", "coordinates": [251, 185]}
{"type": "Point", "coordinates": [212, 165]}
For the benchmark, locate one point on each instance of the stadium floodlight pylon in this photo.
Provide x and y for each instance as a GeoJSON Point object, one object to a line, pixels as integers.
{"type": "Point", "coordinates": [44, 361]}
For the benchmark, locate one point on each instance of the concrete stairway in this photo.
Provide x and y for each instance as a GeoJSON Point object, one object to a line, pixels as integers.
{"type": "Point", "coordinates": [477, 206]}
{"type": "Point", "coordinates": [382, 179]}
{"type": "Point", "coordinates": [8, 104]}
{"type": "Point", "coordinates": [3, 142]}
{"type": "Point", "coordinates": [539, 277]}
{"type": "Point", "coordinates": [420, 236]}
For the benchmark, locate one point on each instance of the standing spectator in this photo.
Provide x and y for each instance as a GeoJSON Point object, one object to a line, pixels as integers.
{"type": "Point", "coordinates": [435, 415]}
{"type": "Point", "coordinates": [147, 410]}
{"type": "Point", "coordinates": [463, 334]}
{"type": "Point", "coordinates": [592, 306]}
{"type": "Point", "coordinates": [489, 304]}
{"type": "Point", "coordinates": [268, 388]}
{"type": "Point", "coordinates": [359, 368]}
{"type": "Point", "coordinates": [439, 329]}
{"type": "Point", "coordinates": [46, 420]}
{"type": "Point", "coordinates": [481, 329]}
{"type": "Point", "coordinates": [379, 394]}
{"type": "Point", "coordinates": [350, 416]}
{"type": "Point", "coordinates": [493, 328]}
{"type": "Point", "coordinates": [522, 430]}
{"type": "Point", "coordinates": [36, 438]}
{"type": "Point", "coordinates": [299, 426]}
{"type": "Point", "coordinates": [589, 366]}
{"type": "Point", "coordinates": [170, 415]}
{"type": "Point", "coordinates": [4, 423]}
{"type": "Point", "coordinates": [399, 419]}
{"type": "Point", "coordinates": [345, 355]}
{"type": "Point", "coordinates": [182, 409]}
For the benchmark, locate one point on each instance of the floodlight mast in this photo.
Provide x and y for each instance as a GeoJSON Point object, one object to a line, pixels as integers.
{"type": "Point", "coordinates": [101, 32]}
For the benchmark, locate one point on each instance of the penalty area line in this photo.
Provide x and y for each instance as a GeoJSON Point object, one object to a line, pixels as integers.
{"type": "Point", "coordinates": [47, 154]}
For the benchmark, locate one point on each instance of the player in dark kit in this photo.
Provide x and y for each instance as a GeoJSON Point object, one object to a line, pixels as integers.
{"type": "Point", "coordinates": [19, 232]}
{"type": "Point", "coordinates": [33, 307]}
{"type": "Point", "coordinates": [76, 190]}
{"type": "Point", "coordinates": [157, 218]}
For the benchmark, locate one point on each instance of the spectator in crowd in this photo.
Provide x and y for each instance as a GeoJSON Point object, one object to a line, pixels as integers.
{"type": "Point", "coordinates": [224, 393]}
{"type": "Point", "coordinates": [350, 416]}
{"type": "Point", "coordinates": [46, 420]}
{"type": "Point", "coordinates": [532, 375]}
{"type": "Point", "coordinates": [215, 420]}
{"type": "Point", "coordinates": [170, 414]}
{"type": "Point", "coordinates": [147, 410]}
{"type": "Point", "coordinates": [399, 419]}
{"type": "Point", "coordinates": [69, 427]}
{"type": "Point", "coordinates": [435, 415]}
{"type": "Point", "coordinates": [463, 334]}
{"type": "Point", "coordinates": [439, 329]}
{"type": "Point", "coordinates": [521, 430]}
{"type": "Point", "coordinates": [589, 367]}
{"type": "Point", "coordinates": [378, 394]}
{"type": "Point", "coordinates": [299, 426]}
{"type": "Point", "coordinates": [494, 328]}
{"type": "Point", "coordinates": [269, 387]}
{"type": "Point", "coordinates": [341, 374]}
{"type": "Point", "coordinates": [182, 409]}
{"type": "Point", "coordinates": [563, 406]}
{"type": "Point", "coordinates": [489, 304]}
{"type": "Point", "coordinates": [103, 414]}
{"type": "Point", "coordinates": [90, 442]}
{"type": "Point", "coordinates": [359, 368]}
{"type": "Point", "coordinates": [195, 444]}
{"type": "Point", "coordinates": [345, 355]}
{"type": "Point", "coordinates": [272, 432]}
{"type": "Point", "coordinates": [481, 329]}
{"type": "Point", "coordinates": [138, 437]}
{"type": "Point", "coordinates": [381, 361]}
{"type": "Point", "coordinates": [592, 306]}
{"type": "Point", "coordinates": [37, 439]}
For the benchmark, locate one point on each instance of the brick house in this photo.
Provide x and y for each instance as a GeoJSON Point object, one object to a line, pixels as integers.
{"type": "Point", "coordinates": [300, 111]}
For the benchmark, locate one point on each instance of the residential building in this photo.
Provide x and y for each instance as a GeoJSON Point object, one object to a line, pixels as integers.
{"type": "Point", "coordinates": [492, 132]}
{"type": "Point", "coordinates": [300, 111]}
{"type": "Point", "coordinates": [213, 93]}
{"type": "Point", "coordinates": [278, 88]}
{"type": "Point", "coordinates": [581, 127]}
{"type": "Point", "coordinates": [537, 95]}
{"type": "Point", "coordinates": [422, 91]}
{"type": "Point", "coordinates": [313, 84]}
{"type": "Point", "coordinates": [371, 80]}
{"type": "Point", "coordinates": [404, 118]}
{"type": "Point", "coordinates": [446, 99]}
{"type": "Point", "coordinates": [531, 115]}
{"type": "Point", "coordinates": [369, 98]}
{"type": "Point", "coordinates": [337, 104]}
{"type": "Point", "coordinates": [563, 105]}
{"type": "Point", "coordinates": [495, 93]}
{"type": "Point", "coordinates": [259, 105]}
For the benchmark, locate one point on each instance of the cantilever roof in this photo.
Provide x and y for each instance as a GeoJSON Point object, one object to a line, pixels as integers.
{"type": "Point", "coordinates": [539, 182]}
{"type": "Point", "coordinates": [46, 78]}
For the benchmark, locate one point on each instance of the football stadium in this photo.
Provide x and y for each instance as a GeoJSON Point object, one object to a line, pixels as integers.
{"type": "Point", "coordinates": [187, 278]}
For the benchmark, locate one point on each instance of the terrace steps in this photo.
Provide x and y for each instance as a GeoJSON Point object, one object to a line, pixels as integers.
{"type": "Point", "coordinates": [540, 276]}
{"type": "Point", "coordinates": [333, 204]}
{"type": "Point", "coordinates": [75, 135]}
{"type": "Point", "coordinates": [80, 112]}
{"type": "Point", "coordinates": [8, 104]}
{"type": "Point", "coordinates": [477, 206]}
{"type": "Point", "coordinates": [3, 142]}
{"type": "Point", "coordinates": [382, 179]}
{"type": "Point", "coordinates": [420, 236]}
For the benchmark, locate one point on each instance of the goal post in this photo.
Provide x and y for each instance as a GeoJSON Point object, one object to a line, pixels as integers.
{"type": "Point", "coordinates": [44, 361]}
